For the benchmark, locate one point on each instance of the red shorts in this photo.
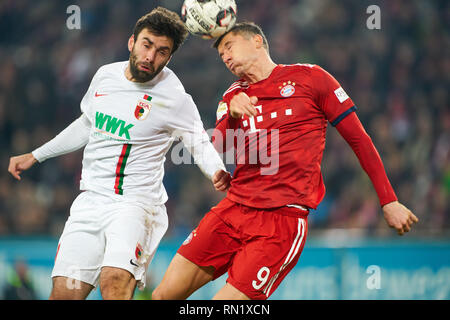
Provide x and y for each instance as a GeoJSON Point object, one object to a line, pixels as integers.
{"type": "Point", "coordinates": [258, 247]}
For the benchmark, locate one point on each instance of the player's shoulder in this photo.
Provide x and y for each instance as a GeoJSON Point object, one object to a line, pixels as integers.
{"type": "Point", "coordinates": [304, 68]}
{"type": "Point", "coordinates": [300, 66]}
{"type": "Point", "coordinates": [170, 85]}
{"type": "Point", "coordinates": [307, 70]}
{"type": "Point", "coordinates": [235, 86]}
{"type": "Point", "coordinates": [109, 71]}
{"type": "Point", "coordinates": [168, 79]}
{"type": "Point", "coordinates": [112, 68]}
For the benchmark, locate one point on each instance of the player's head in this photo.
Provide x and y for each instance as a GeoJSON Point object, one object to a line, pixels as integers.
{"type": "Point", "coordinates": [246, 29]}
{"type": "Point", "coordinates": [156, 36]}
{"type": "Point", "coordinates": [241, 45]}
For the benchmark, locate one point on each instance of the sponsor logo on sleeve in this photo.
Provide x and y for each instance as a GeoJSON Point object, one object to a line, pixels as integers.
{"type": "Point", "coordinates": [340, 94]}
{"type": "Point", "coordinates": [221, 110]}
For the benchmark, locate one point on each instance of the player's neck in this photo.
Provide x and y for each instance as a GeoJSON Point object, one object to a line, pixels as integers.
{"type": "Point", "coordinates": [260, 70]}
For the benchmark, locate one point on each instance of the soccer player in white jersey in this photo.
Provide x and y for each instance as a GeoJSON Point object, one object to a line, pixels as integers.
{"type": "Point", "coordinates": [131, 114]}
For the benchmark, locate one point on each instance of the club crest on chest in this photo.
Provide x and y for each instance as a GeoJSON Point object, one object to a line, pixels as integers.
{"type": "Point", "coordinates": [287, 89]}
{"type": "Point", "coordinates": [143, 108]}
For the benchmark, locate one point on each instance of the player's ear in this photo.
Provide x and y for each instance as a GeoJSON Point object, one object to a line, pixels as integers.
{"type": "Point", "coordinates": [131, 43]}
{"type": "Point", "coordinates": [258, 39]}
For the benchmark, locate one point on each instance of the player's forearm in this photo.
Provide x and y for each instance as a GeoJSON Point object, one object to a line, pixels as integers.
{"type": "Point", "coordinates": [353, 132]}
{"type": "Point", "coordinates": [205, 156]}
{"type": "Point", "coordinates": [371, 163]}
{"type": "Point", "coordinates": [72, 138]}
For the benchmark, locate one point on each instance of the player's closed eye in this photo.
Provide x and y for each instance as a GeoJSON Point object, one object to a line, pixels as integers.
{"type": "Point", "coordinates": [163, 53]}
{"type": "Point", "coordinates": [147, 43]}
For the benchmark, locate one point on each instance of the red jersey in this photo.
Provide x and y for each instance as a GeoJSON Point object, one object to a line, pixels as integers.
{"type": "Point", "coordinates": [279, 151]}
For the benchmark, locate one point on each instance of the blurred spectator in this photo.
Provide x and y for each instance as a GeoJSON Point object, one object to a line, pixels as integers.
{"type": "Point", "coordinates": [398, 77]}
{"type": "Point", "coordinates": [19, 285]}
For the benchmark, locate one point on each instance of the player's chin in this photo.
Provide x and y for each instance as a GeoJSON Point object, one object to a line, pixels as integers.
{"type": "Point", "coordinates": [144, 76]}
{"type": "Point", "coordinates": [236, 73]}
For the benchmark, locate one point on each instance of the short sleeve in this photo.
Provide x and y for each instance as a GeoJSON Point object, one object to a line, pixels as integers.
{"type": "Point", "coordinates": [330, 96]}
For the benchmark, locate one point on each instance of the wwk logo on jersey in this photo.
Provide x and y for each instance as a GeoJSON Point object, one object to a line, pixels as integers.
{"type": "Point", "coordinates": [112, 125]}
{"type": "Point", "coordinates": [143, 108]}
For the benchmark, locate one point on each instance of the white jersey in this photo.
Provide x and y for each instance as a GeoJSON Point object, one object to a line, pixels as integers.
{"type": "Point", "coordinates": [132, 126]}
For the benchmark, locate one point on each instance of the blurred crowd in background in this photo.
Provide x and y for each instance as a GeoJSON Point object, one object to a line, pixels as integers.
{"type": "Point", "coordinates": [397, 76]}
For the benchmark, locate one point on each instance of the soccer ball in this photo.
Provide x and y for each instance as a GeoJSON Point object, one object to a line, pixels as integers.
{"type": "Point", "coordinates": [209, 18]}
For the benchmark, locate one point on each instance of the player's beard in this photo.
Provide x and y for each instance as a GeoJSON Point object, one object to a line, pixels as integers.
{"type": "Point", "coordinates": [141, 75]}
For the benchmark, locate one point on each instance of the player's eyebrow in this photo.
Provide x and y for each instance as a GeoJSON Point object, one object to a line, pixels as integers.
{"type": "Point", "coordinates": [226, 44]}
{"type": "Point", "coordinates": [158, 48]}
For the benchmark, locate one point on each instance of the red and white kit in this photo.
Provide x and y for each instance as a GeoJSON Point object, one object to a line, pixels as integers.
{"type": "Point", "coordinates": [295, 104]}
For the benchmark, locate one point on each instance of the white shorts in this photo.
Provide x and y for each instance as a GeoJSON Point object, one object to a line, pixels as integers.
{"type": "Point", "coordinates": [109, 231]}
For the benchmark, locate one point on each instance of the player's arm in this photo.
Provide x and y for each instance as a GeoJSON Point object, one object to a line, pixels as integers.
{"type": "Point", "coordinates": [206, 158]}
{"type": "Point", "coordinates": [396, 215]}
{"type": "Point", "coordinates": [339, 110]}
{"type": "Point", "coordinates": [242, 104]}
{"type": "Point", "coordinates": [188, 127]}
{"type": "Point", "coordinates": [72, 138]}
{"type": "Point", "coordinates": [228, 115]}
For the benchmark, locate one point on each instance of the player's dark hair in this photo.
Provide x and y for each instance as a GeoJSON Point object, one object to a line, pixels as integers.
{"type": "Point", "coordinates": [163, 22]}
{"type": "Point", "coordinates": [245, 28]}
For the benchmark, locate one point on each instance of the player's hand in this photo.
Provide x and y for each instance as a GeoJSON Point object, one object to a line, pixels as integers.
{"type": "Point", "coordinates": [221, 180]}
{"type": "Point", "coordinates": [242, 104]}
{"type": "Point", "coordinates": [20, 163]}
{"type": "Point", "coordinates": [399, 217]}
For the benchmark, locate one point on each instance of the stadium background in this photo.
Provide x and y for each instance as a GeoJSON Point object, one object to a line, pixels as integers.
{"type": "Point", "coordinates": [398, 77]}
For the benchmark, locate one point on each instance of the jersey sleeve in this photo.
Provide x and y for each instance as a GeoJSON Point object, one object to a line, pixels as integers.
{"type": "Point", "coordinates": [86, 102]}
{"type": "Point", "coordinates": [356, 136]}
{"type": "Point", "coordinates": [330, 96]}
{"type": "Point", "coordinates": [188, 127]}
{"type": "Point", "coordinates": [186, 119]}
{"type": "Point", "coordinates": [72, 138]}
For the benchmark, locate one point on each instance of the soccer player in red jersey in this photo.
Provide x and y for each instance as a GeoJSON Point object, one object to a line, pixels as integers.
{"type": "Point", "coordinates": [275, 117]}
